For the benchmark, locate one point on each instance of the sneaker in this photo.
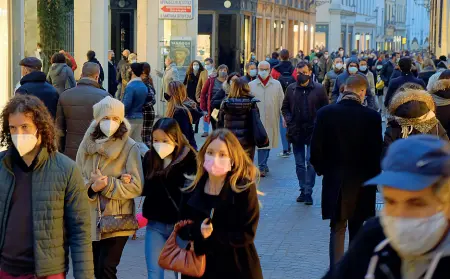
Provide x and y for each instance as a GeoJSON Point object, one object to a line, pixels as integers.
{"type": "Point", "coordinates": [284, 154]}
{"type": "Point", "coordinates": [267, 169]}
{"type": "Point", "coordinates": [205, 134]}
{"type": "Point", "coordinates": [262, 173]}
{"type": "Point", "coordinates": [301, 198]}
{"type": "Point", "coordinates": [309, 200]}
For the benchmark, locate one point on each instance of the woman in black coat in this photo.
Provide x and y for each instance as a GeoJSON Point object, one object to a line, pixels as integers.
{"type": "Point", "coordinates": [166, 164]}
{"type": "Point", "coordinates": [223, 204]}
{"type": "Point", "coordinates": [413, 112]}
{"type": "Point", "coordinates": [191, 81]}
{"type": "Point", "coordinates": [182, 109]}
{"type": "Point", "coordinates": [441, 96]}
{"type": "Point", "coordinates": [217, 99]}
{"type": "Point", "coordinates": [236, 115]}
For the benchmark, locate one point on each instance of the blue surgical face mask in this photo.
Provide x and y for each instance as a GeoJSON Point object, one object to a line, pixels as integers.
{"type": "Point", "coordinates": [352, 70]}
{"type": "Point", "coordinates": [363, 68]}
{"type": "Point", "coordinates": [253, 73]}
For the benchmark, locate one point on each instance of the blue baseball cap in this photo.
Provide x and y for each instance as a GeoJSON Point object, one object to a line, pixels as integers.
{"type": "Point", "coordinates": [414, 163]}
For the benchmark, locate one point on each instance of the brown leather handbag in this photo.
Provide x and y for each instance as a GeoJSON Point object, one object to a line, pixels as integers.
{"type": "Point", "coordinates": [180, 260]}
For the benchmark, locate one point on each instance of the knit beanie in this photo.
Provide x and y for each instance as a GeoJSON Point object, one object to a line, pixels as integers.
{"type": "Point", "coordinates": [109, 107]}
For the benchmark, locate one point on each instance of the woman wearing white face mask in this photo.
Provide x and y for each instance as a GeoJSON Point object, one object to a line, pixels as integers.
{"type": "Point", "coordinates": [166, 164]}
{"type": "Point", "coordinates": [110, 163]}
{"type": "Point", "coordinates": [223, 204]}
{"type": "Point", "coordinates": [410, 240]}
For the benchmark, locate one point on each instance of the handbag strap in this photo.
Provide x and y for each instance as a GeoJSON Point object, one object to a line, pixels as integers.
{"type": "Point", "coordinates": [171, 199]}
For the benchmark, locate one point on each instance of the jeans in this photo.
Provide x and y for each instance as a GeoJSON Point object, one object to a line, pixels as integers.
{"type": "Point", "coordinates": [283, 131]}
{"type": "Point", "coordinates": [337, 237]}
{"type": "Point", "coordinates": [305, 171]}
{"type": "Point", "coordinates": [107, 254]}
{"type": "Point", "coordinates": [205, 126]}
{"type": "Point", "coordinates": [263, 156]}
{"type": "Point", "coordinates": [155, 237]}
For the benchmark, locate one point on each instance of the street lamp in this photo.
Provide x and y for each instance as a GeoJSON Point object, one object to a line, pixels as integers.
{"type": "Point", "coordinates": [227, 4]}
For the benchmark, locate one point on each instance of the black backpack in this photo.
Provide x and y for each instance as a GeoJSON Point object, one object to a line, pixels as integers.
{"type": "Point", "coordinates": [286, 79]}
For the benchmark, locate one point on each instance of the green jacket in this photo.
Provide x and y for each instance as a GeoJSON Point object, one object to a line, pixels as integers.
{"type": "Point", "coordinates": [61, 217]}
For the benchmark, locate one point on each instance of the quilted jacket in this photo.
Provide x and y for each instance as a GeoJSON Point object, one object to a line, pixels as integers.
{"type": "Point", "coordinates": [60, 214]}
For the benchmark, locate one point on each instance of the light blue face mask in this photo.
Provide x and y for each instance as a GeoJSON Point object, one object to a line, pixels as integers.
{"type": "Point", "coordinates": [253, 73]}
{"type": "Point", "coordinates": [352, 70]}
{"type": "Point", "coordinates": [363, 68]}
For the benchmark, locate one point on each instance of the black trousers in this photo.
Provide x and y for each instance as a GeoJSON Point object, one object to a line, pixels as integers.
{"type": "Point", "coordinates": [107, 254]}
{"type": "Point", "coordinates": [213, 123]}
{"type": "Point", "coordinates": [337, 237]}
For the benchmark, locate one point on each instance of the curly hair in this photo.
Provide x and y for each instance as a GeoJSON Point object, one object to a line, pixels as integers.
{"type": "Point", "coordinates": [30, 106]}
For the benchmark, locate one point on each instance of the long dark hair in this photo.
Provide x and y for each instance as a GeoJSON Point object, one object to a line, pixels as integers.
{"type": "Point", "coordinates": [191, 69]}
{"type": "Point", "coordinates": [152, 161]}
{"type": "Point", "coordinates": [146, 78]}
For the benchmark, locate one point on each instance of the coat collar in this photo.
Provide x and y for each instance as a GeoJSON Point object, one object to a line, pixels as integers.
{"type": "Point", "coordinates": [110, 149]}
{"type": "Point", "coordinates": [88, 82]}
{"type": "Point", "coordinates": [198, 196]}
{"type": "Point", "coordinates": [271, 81]}
{"type": "Point", "coordinates": [40, 159]}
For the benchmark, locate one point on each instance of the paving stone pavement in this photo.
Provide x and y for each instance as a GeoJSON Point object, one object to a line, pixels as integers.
{"type": "Point", "coordinates": [292, 239]}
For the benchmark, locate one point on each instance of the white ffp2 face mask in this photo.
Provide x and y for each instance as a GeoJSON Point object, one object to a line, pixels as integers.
{"type": "Point", "coordinates": [24, 143]}
{"type": "Point", "coordinates": [109, 127]}
{"type": "Point", "coordinates": [163, 149]}
{"type": "Point", "coordinates": [414, 236]}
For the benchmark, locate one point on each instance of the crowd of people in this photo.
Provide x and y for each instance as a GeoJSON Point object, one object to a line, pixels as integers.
{"type": "Point", "coordinates": [328, 110]}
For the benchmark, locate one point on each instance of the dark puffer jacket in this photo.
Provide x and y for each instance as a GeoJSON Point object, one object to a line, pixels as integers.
{"type": "Point", "coordinates": [235, 115]}
{"type": "Point", "coordinates": [36, 84]}
{"type": "Point", "coordinates": [61, 217]}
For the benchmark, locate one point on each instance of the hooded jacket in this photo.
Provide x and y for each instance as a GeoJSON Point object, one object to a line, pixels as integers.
{"type": "Point", "coordinates": [396, 83]}
{"type": "Point", "coordinates": [413, 113]}
{"type": "Point", "coordinates": [35, 84]}
{"type": "Point", "coordinates": [61, 77]}
{"type": "Point", "coordinates": [114, 158]}
{"type": "Point", "coordinates": [281, 68]}
{"type": "Point", "coordinates": [441, 96]}
{"type": "Point", "coordinates": [371, 256]}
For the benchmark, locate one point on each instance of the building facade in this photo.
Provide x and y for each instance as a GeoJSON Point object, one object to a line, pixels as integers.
{"type": "Point", "coordinates": [418, 25]}
{"type": "Point", "coordinates": [284, 25]}
{"type": "Point", "coordinates": [395, 25]}
{"type": "Point", "coordinates": [439, 22]}
{"type": "Point", "coordinates": [351, 24]}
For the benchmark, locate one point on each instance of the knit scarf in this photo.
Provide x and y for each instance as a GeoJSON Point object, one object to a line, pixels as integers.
{"type": "Point", "coordinates": [423, 124]}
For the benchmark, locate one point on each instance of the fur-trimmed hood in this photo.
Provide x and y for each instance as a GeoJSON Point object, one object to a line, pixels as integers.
{"type": "Point", "coordinates": [111, 148]}
{"type": "Point", "coordinates": [440, 85]}
{"type": "Point", "coordinates": [401, 98]}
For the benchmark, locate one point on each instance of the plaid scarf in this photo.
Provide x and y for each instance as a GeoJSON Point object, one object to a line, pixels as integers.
{"type": "Point", "coordinates": [149, 117]}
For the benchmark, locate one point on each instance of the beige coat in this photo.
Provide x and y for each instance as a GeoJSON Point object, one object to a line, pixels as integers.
{"type": "Point", "coordinates": [113, 158]}
{"type": "Point", "coordinates": [271, 97]}
{"type": "Point", "coordinates": [170, 74]}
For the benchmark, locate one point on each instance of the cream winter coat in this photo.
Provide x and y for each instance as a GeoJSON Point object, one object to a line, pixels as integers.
{"type": "Point", "coordinates": [271, 97]}
{"type": "Point", "coordinates": [113, 158]}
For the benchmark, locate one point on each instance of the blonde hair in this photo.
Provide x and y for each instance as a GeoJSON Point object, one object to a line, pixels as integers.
{"type": "Point", "coordinates": [239, 88]}
{"type": "Point", "coordinates": [242, 169]}
{"type": "Point", "coordinates": [178, 95]}
{"type": "Point", "coordinates": [427, 62]}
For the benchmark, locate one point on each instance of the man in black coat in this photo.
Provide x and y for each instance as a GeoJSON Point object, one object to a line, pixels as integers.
{"type": "Point", "coordinates": [34, 82]}
{"type": "Point", "coordinates": [112, 81]}
{"type": "Point", "coordinates": [405, 65]}
{"type": "Point", "coordinates": [91, 58]}
{"type": "Point", "coordinates": [346, 149]}
{"type": "Point", "coordinates": [410, 239]}
{"type": "Point", "coordinates": [301, 102]}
